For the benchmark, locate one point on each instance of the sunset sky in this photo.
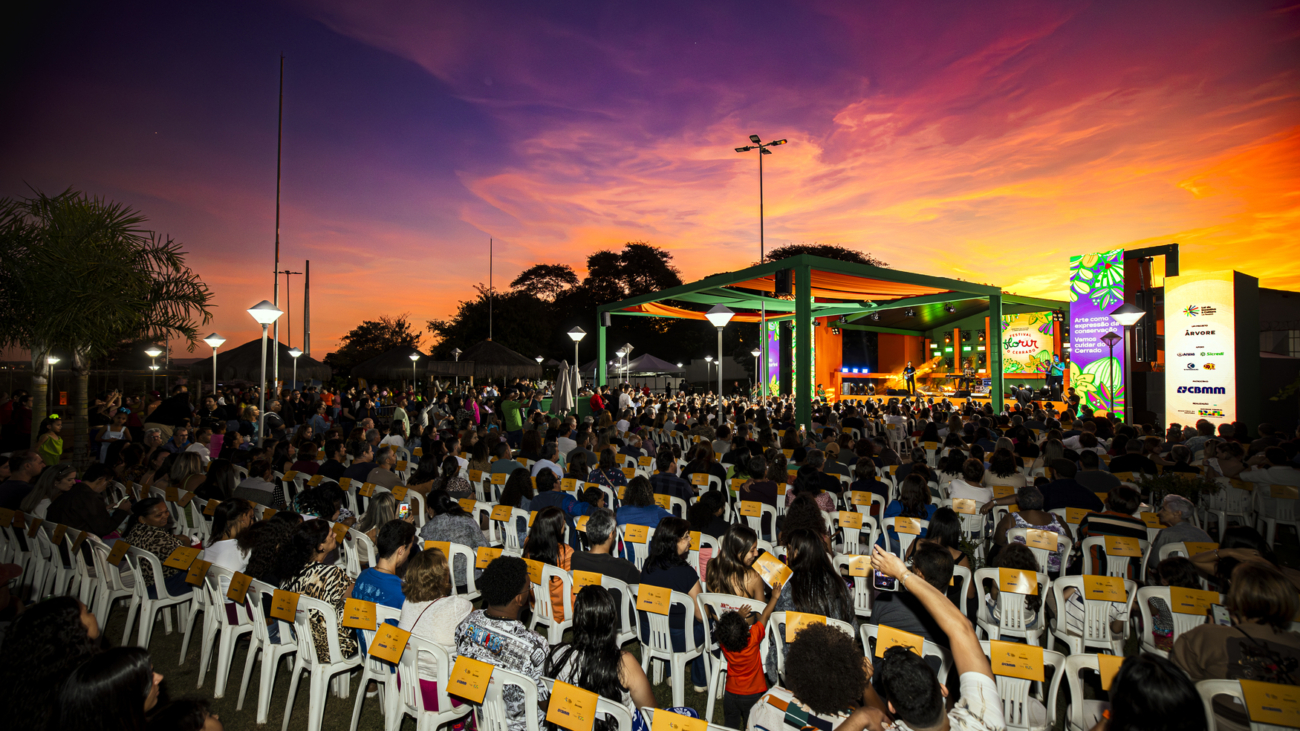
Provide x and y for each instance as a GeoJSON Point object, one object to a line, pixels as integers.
{"type": "Point", "coordinates": [987, 141]}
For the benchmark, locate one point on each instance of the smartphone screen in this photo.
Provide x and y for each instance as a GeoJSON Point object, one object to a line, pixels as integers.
{"type": "Point", "coordinates": [1220, 615]}
{"type": "Point", "coordinates": [883, 582]}
{"type": "Point", "coordinates": [403, 510]}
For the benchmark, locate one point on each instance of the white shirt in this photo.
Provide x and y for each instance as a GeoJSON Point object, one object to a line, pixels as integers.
{"type": "Point", "coordinates": [959, 489]}
{"type": "Point", "coordinates": [565, 445]}
{"type": "Point", "coordinates": [228, 555]}
{"type": "Point", "coordinates": [393, 440]}
{"type": "Point", "coordinates": [622, 425]}
{"type": "Point", "coordinates": [541, 464]}
{"type": "Point", "coordinates": [435, 621]}
{"type": "Point", "coordinates": [980, 707]}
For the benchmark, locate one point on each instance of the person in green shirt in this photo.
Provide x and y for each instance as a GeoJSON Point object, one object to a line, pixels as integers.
{"type": "Point", "coordinates": [512, 412]}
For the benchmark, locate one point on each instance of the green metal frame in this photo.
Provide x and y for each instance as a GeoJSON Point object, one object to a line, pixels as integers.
{"type": "Point", "coordinates": [711, 291]}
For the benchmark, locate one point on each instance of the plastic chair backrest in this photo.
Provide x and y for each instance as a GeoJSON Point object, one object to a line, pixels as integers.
{"type": "Point", "coordinates": [408, 669]}
{"type": "Point", "coordinates": [1182, 622]}
{"type": "Point", "coordinates": [862, 589]}
{"type": "Point", "coordinates": [637, 552]}
{"type": "Point", "coordinates": [1096, 625]}
{"type": "Point", "coordinates": [308, 608]}
{"type": "Point", "coordinates": [858, 542]}
{"type": "Point", "coordinates": [659, 638]}
{"type": "Point", "coordinates": [493, 715]}
{"type": "Point", "coordinates": [1063, 546]}
{"type": "Point", "coordinates": [627, 606]}
{"type": "Point", "coordinates": [1115, 565]}
{"type": "Point", "coordinates": [1014, 692]}
{"type": "Point", "coordinates": [905, 540]}
{"type": "Point", "coordinates": [542, 593]}
{"type": "Point", "coordinates": [135, 557]}
{"type": "Point", "coordinates": [928, 649]}
{"type": "Point", "coordinates": [1013, 610]}
{"type": "Point", "coordinates": [215, 585]}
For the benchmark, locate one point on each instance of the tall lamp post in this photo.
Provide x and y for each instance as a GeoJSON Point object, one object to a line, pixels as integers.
{"type": "Point", "coordinates": [214, 341]}
{"type": "Point", "coordinates": [576, 335]}
{"type": "Point", "coordinates": [153, 351]}
{"type": "Point", "coordinates": [455, 354]}
{"type": "Point", "coordinates": [627, 360]}
{"type": "Point", "coordinates": [708, 370]}
{"type": "Point", "coordinates": [1111, 339]}
{"type": "Point", "coordinates": [539, 362]}
{"type": "Point", "coordinates": [294, 353]}
{"type": "Point", "coordinates": [414, 378]}
{"type": "Point", "coordinates": [762, 316]}
{"type": "Point", "coordinates": [264, 313]}
{"type": "Point", "coordinates": [720, 315]}
{"type": "Point", "coordinates": [50, 360]}
{"type": "Point", "coordinates": [620, 353]}
{"type": "Point", "coordinates": [756, 352]}
{"type": "Point", "coordinates": [1127, 315]}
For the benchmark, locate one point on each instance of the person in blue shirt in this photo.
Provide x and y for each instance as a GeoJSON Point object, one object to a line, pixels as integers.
{"type": "Point", "coordinates": [380, 583]}
{"type": "Point", "coordinates": [548, 495]}
{"type": "Point", "coordinates": [913, 502]}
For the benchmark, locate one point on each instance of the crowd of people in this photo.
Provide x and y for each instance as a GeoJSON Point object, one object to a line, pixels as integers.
{"type": "Point", "coordinates": [569, 476]}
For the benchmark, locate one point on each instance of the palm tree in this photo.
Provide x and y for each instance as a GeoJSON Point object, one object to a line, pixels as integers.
{"type": "Point", "coordinates": [81, 273]}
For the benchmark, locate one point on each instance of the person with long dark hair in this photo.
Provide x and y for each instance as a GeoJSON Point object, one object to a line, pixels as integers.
{"type": "Point", "coordinates": [705, 514]}
{"type": "Point", "coordinates": [220, 481]}
{"type": "Point", "coordinates": [43, 644]}
{"type": "Point", "coordinates": [808, 481]}
{"type": "Point", "coordinates": [546, 544]}
{"type": "Point", "coordinates": [263, 541]}
{"type": "Point", "coordinates": [607, 473]}
{"type": "Point", "coordinates": [111, 691]}
{"type": "Point", "coordinates": [814, 586]}
{"type": "Point", "coordinates": [302, 566]}
{"type": "Point", "coordinates": [229, 521]}
{"type": "Point", "coordinates": [639, 507]}
{"type": "Point", "coordinates": [731, 571]}
{"type": "Point", "coordinates": [592, 660]}
{"type": "Point", "coordinates": [1150, 693]}
{"type": "Point", "coordinates": [666, 566]}
{"type": "Point", "coordinates": [450, 481]}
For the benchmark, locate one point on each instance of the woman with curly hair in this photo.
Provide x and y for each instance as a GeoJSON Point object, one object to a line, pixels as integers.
{"type": "Point", "coordinates": [431, 612]}
{"type": "Point", "coordinates": [263, 542]}
{"type": "Point", "coordinates": [592, 660]}
{"type": "Point", "coordinates": [1004, 470]}
{"type": "Point", "coordinates": [41, 648]}
{"type": "Point", "coordinates": [302, 564]}
{"type": "Point", "coordinates": [825, 678]}
{"type": "Point", "coordinates": [731, 572]}
{"type": "Point", "coordinates": [639, 507]}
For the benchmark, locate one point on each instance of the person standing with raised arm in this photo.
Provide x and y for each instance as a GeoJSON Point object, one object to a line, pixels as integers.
{"type": "Point", "coordinates": [913, 695]}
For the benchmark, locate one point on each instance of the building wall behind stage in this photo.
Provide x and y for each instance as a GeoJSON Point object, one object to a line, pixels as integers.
{"type": "Point", "coordinates": [896, 350]}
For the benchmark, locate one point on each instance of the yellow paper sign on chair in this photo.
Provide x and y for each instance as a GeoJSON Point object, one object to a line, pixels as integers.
{"type": "Point", "coordinates": [1191, 601]}
{"type": "Point", "coordinates": [284, 604]}
{"type": "Point", "coordinates": [181, 558]}
{"type": "Point", "coordinates": [700, 479]}
{"type": "Point", "coordinates": [399, 493]}
{"type": "Point", "coordinates": [1153, 521]}
{"type": "Point", "coordinates": [1104, 588]}
{"type": "Point", "coordinates": [860, 497]}
{"type": "Point", "coordinates": [198, 570]}
{"type": "Point", "coordinates": [1044, 539]}
{"type": "Point", "coordinates": [1000, 491]}
{"type": "Point", "coordinates": [751, 508]}
{"type": "Point", "coordinates": [964, 506]}
{"type": "Point", "coordinates": [634, 533]}
{"type": "Point", "coordinates": [663, 501]}
{"type": "Point", "coordinates": [469, 679]}
{"type": "Point", "coordinates": [501, 512]}
{"type": "Point", "coordinates": [695, 540]}
{"type": "Point", "coordinates": [389, 643]}
{"type": "Point", "coordinates": [1014, 660]}
{"type": "Point", "coordinates": [1194, 548]}
{"type": "Point", "coordinates": [581, 523]}
{"type": "Point", "coordinates": [485, 556]}
{"type": "Point", "coordinates": [1074, 516]}
{"type": "Point", "coordinates": [1108, 665]}
{"type": "Point", "coordinates": [468, 504]}
{"type": "Point", "coordinates": [585, 578]}
{"type": "Point", "coordinates": [571, 707]}
{"type": "Point", "coordinates": [499, 478]}
{"type": "Point", "coordinates": [860, 566]}
{"type": "Point", "coordinates": [654, 599]}
{"type": "Point", "coordinates": [771, 570]}
{"type": "Point", "coordinates": [907, 525]}
{"type": "Point", "coordinates": [534, 570]}
{"type": "Point", "coordinates": [239, 584]}
{"type": "Point", "coordinates": [850, 519]}
{"type": "Point", "coordinates": [1017, 581]}
{"type": "Point", "coordinates": [116, 555]}
{"type": "Point", "coordinates": [795, 621]}
{"type": "Point", "coordinates": [367, 489]}
{"type": "Point", "coordinates": [1119, 546]}
{"type": "Point", "coordinates": [444, 546]}
{"type": "Point", "coordinates": [1271, 703]}
{"type": "Point", "coordinates": [359, 614]}
{"type": "Point", "coordinates": [887, 637]}
{"type": "Point", "coordinates": [668, 721]}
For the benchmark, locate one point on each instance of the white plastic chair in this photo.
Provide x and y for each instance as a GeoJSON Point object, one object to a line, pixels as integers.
{"type": "Point", "coordinates": [905, 540]}
{"type": "Point", "coordinates": [658, 645]}
{"type": "Point", "coordinates": [542, 609]}
{"type": "Point", "coordinates": [858, 541]}
{"type": "Point", "coordinates": [410, 699]}
{"type": "Point", "coordinates": [378, 671]}
{"type": "Point", "coordinates": [218, 627]}
{"type": "Point", "coordinates": [1096, 625]}
{"type": "Point", "coordinates": [1182, 622]}
{"type": "Point", "coordinates": [1013, 610]}
{"type": "Point", "coordinates": [637, 552]}
{"type": "Point", "coordinates": [320, 672]}
{"type": "Point", "coordinates": [1015, 693]}
{"type": "Point", "coordinates": [507, 532]}
{"type": "Point", "coordinates": [469, 557]}
{"type": "Point", "coordinates": [776, 635]}
{"type": "Point", "coordinates": [1274, 511]}
{"type": "Point", "coordinates": [1081, 714]}
{"type": "Point", "coordinates": [110, 588]}
{"type": "Point", "coordinates": [272, 651]}
{"type": "Point", "coordinates": [1063, 546]}
{"type": "Point", "coordinates": [928, 649]}
{"type": "Point", "coordinates": [492, 714]}
{"type": "Point", "coordinates": [149, 607]}
{"type": "Point", "coordinates": [1115, 565]}
{"type": "Point", "coordinates": [863, 592]}
{"type": "Point", "coordinates": [619, 712]}
{"type": "Point", "coordinates": [1230, 502]}
{"type": "Point", "coordinates": [1210, 688]}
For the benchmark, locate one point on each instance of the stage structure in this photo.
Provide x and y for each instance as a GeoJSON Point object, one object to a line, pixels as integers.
{"type": "Point", "coordinates": [910, 317]}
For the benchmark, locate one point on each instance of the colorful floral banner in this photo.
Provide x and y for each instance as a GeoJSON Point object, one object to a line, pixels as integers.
{"type": "Point", "coordinates": [1096, 289]}
{"type": "Point", "coordinates": [1027, 343]}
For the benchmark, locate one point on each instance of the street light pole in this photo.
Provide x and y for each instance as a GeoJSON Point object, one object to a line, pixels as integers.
{"type": "Point", "coordinates": [264, 313]}
{"type": "Point", "coordinates": [214, 340]}
{"type": "Point", "coordinates": [455, 354]}
{"type": "Point", "coordinates": [576, 334]}
{"type": "Point", "coordinates": [762, 254]}
{"type": "Point", "coordinates": [50, 361]}
{"type": "Point", "coordinates": [414, 378]}
{"type": "Point", "coordinates": [720, 315]}
{"type": "Point", "coordinates": [294, 353]}
{"type": "Point", "coordinates": [1127, 315]}
{"type": "Point", "coordinates": [1110, 339]}
{"type": "Point", "coordinates": [153, 351]}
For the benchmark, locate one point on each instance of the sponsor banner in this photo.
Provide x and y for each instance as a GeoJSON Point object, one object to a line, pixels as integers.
{"type": "Point", "coordinates": [1096, 289]}
{"type": "Point", "coordinates": [1027, 343]}
{"type": "Point", "coordinates": [1200, 349]}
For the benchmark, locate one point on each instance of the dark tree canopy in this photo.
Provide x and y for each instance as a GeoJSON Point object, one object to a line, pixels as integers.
{"type": "Point", "coordinates": [828, 251]}
{"type": "Point", "coordinates": [547, 281]}
{"type": "Point", "coordinates": [371, 338]}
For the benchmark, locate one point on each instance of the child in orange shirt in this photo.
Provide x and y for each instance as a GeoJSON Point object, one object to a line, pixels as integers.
{"type": "Point", "coordinates": [740, 641]}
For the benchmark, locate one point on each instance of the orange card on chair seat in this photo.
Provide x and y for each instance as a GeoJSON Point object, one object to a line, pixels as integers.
{"type": "Point", "coordinates": [390, 643]}
{"type": "Point", "coordinates": [469, 679]}
{"type": "Point", "coordinates": [181, 558]}
{"type": "Point", "coordinates": [654, 599]}
{"type": "Point", "coordinates": [571, 707]}
{"type": "Point", "coordinates": [359, 614]}
{"type": "Point", "coordinates": [284, 604]}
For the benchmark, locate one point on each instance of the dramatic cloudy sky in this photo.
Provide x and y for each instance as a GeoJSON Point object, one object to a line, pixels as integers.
{"type": "Point", "coordinates": [988, 141]}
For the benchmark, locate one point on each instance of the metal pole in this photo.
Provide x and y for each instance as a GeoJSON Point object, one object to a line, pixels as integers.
{"type": "Point", "coordinates": [719, 370]}
{"type": "Point", "coordinates": [153, 377]}
{"type": "Point", "coordinates": [577, 376]}
{"type": "Point", "coordinates": [214, 373]}
{"type": "Point", "coordinates": [1112, 378]}
{"type": "Point", "coordinates": [762, 255]}
{"type": "Point", "coordinates": [279, 144]}
{"type": "Point", "coordinates": [306, 310]}
{"type": "Point", "coordinates": [261, 392]}
{"type": "Point", "coordinates": [295, 364]}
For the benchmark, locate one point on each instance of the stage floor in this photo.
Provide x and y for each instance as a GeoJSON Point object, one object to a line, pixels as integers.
{"type": "Point", "coordinates": [978, 398]}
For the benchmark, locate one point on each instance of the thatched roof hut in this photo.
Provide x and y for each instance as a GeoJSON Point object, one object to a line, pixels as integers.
{"type": "Point", "coordinates": [494, 361]}
{"type": "Point", "coordinates": [395, 365]}
{"type": "Point", "coordinates": [243, 364]}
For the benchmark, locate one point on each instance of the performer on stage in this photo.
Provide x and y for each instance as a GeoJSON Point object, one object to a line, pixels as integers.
{"type": "Point", "coordinates": [1056, 376]}
{"type": "Point", "coordinates": [967, 381]}
{"type": "Point", "coordinates": [909, 378]}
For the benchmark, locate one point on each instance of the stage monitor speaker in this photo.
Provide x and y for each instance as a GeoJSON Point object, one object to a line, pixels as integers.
{"type": "Point", "coordinates": [782, 282]}
{"type": "Point", "coordinates": [606, 319]}
{"type": "Point", "coordinates": [898, 392]}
